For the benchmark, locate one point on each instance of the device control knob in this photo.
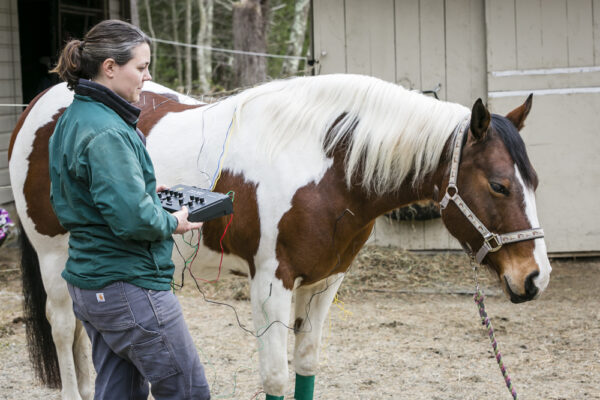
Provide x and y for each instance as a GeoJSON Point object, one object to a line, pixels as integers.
{"type": "Point", "coordinates": [190, 203]}
{"type": "Point", "coordinates": [168, 197]}
{"type": "Point", "coordinates": [201, 200]}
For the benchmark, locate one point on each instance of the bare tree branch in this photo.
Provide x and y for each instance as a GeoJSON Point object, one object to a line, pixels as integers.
{"type": "Point", "coordinates": [297, 35]}
{"type": "Point", "coordinates": [188, 50]}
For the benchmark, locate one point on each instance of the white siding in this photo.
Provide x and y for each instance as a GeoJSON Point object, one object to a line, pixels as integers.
{"type": "Point", "coordinates": [556, 51]}
{"type": "Point", "coordinates": [10, 87]}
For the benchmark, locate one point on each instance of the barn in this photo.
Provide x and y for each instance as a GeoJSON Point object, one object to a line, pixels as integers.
{"type": "Point", "coordinates": [498, 50]}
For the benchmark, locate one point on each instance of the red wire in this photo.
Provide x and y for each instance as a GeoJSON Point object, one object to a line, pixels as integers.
{"type": "Point", "coordinates": [222, 254]}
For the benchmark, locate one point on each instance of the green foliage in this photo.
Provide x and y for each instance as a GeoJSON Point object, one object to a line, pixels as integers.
{"type": "Point", "coordinates": [280, 19]}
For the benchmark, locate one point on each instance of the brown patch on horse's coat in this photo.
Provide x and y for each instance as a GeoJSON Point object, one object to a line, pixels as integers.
{"type": "Point", "coordinates": [243, 235]}
{"type": "Point", "coordinates": [155, 106]}
{"type": "Point", "coordinates": [21, 121]}
{"type": "Point", "coordinates": [323, 230]}
{"type": "Point", "coordinates": [37, 182]}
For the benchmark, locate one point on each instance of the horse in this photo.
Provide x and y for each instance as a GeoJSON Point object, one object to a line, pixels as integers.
{"type": "Point", "coordinates": [313, 161]}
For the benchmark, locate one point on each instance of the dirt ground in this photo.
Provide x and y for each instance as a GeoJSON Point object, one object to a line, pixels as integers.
{"type": "Point", "coordinates": [405, 327]}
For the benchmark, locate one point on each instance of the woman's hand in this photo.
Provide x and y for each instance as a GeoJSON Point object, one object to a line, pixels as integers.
{"type": "Point", "coordinates": [183, 225]}
{"type": "Point", "coordinates": [160, 188]}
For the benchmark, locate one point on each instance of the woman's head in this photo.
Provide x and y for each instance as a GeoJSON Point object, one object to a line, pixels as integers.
{"type": "Point", "coordinates": [111, 42]}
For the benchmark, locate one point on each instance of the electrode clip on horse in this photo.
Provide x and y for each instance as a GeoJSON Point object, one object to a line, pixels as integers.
{"type": "Point", "coordinates": [298, 154]}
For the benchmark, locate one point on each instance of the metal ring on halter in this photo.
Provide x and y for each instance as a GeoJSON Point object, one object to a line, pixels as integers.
{"type": "Point", "coordinates": [492, 236]}
{"type": "Point", "coordinates": [452, 186]}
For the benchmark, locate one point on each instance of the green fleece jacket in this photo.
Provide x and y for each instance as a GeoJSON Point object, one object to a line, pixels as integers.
{"type": "Point", "coordinates": [103, 191]}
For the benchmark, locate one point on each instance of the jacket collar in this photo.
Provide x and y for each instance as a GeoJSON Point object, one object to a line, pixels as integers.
{"type": "Point", "coordinates": [104, 95]}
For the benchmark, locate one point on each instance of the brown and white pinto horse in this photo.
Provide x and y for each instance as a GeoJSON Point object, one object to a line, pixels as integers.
{"type": "Point", "coordinates": [312, 161]}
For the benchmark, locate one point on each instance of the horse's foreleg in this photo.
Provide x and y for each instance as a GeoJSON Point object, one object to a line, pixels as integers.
{"type": "Point", "coordinates": [311, 307]}
{"type": "Point", "coordinates": [271, 305]}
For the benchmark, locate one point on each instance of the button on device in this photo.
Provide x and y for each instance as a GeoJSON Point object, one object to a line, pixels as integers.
{"type": "Point", "coordinates": [203, 205]}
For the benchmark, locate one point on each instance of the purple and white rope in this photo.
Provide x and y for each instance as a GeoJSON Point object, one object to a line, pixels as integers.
{"type": "Point", "coordinates": [486, 321]}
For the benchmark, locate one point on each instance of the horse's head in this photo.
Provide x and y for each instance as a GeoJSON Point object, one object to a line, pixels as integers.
{"type": "Point", "coordinates": [496, 182]}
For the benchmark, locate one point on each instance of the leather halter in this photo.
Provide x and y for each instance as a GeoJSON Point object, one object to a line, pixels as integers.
{"type": "Point", "coordinates": [492, 242]}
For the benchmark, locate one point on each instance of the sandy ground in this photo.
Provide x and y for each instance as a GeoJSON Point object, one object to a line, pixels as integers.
{"type": "Point", "coordinates": [405, 328]}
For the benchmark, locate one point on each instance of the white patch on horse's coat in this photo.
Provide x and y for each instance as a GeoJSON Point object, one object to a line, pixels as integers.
{"type": "Point", "coordinates": [539, 252]}
{"type": "Point", "coordinates": [160, 89]}
{"type": "Point", "coordinates": [308, 337]}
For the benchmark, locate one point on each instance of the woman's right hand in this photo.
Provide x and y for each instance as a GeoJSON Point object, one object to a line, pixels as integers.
{"type": "Point", "coordinates": [183, 225]}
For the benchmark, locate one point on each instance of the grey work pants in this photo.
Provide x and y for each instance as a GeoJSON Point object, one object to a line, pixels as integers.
{"type": "Point", "coordinates": [139, 336]}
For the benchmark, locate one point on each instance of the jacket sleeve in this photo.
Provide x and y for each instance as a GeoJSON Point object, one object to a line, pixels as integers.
{"type": "Point", "coordinates": [118, 189]}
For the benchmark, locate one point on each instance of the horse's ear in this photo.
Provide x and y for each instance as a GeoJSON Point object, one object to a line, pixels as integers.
{"type": "Point", "coordinates": [518, 115]}
{"type": "Point", "coordinates": [480, 120]}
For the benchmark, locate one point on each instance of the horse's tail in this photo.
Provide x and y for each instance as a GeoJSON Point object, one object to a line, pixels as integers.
{"type": "Point", "coordinates": [42, 352]}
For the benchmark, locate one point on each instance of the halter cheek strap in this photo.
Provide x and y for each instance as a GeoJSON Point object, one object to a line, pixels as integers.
{"type": "Point", "coordinates": [491, 241]}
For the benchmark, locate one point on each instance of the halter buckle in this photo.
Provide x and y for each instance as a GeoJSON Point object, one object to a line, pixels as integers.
{"type": "Point", "coordinates": [488, 242]}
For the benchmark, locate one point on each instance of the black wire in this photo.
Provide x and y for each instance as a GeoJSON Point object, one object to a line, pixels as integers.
{"type": "Point", "coordinates": [308, 305]}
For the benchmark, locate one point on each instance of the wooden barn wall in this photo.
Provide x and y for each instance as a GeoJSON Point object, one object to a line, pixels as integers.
{"type": "Point", "coordinates": [10, 87]}
{"type": "Point", "coordinates": [499, 50]}
{"type": "Point", "coordinates": [551, 48]}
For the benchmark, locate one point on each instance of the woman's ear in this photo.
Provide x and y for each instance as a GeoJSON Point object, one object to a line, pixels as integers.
{"type": "Point", "coordinates": [108, 68]}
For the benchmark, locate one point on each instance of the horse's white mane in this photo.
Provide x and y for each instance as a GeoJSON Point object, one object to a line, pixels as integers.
{"type": "Point", "coordinates": [390, 132]}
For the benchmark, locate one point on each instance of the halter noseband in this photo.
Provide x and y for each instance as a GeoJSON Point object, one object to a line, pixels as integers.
{"type": "Point", "coordinates": [492, 242]}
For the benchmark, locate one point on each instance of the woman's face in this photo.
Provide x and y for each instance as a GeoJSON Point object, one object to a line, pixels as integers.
{"type": "Point", "coordinates": [129, 78]}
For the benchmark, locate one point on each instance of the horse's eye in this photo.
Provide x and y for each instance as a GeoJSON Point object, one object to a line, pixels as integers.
{"type": "Point", "coordinates": [498, 188]}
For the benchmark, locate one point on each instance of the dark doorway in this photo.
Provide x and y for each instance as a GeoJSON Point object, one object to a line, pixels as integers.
{"type": "Point", "coordinates": [44, 27]}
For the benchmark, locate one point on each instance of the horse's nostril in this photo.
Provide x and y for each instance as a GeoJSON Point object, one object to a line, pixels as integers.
{"type": "Point", "coordinates": [530, 288]}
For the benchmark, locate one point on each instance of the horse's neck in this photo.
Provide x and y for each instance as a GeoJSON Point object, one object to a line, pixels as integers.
{"type": "Point", "coordinates": [373, 206]}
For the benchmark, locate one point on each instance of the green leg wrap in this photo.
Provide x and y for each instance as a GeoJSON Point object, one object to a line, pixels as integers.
{"type": "Point", "coordinates": [271, 397]}
{"type": "Point", "coordinates": [305, 387]}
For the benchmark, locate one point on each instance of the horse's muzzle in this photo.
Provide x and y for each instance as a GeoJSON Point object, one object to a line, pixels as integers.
{"type": "Point", "coordinates": [531, 289]}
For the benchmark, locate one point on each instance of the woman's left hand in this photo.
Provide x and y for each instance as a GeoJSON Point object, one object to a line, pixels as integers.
{"type": "Point", "coordinates": [160, 188]}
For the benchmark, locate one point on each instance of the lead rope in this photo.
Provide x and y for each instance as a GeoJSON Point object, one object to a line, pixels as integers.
{"type": "Point", "coordinates": [478, 297]}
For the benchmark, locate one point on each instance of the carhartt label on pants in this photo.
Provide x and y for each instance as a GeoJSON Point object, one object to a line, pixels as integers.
{"type": "Point", "coordinates": [100, 297]}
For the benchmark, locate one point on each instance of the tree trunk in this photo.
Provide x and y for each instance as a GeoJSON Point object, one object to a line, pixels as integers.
{"type": "Point", "coordinates": [135, 13]}
{"type": "Point", "coordinates": [204, 38]}
{"type": "Point", "coordinates": [154, 44]}
{"type": "Point", "coordinates": [249, 34]}
{"type": "Point", "coordinates": [174, 22]}
{"type": "Point", "coordinates": [297, 35]}
{"type": "Point", "coordinates": [188, 50]}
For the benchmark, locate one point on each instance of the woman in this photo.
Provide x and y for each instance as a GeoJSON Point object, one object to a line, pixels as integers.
{"type": "Point", "coordinates": [103, 192]}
